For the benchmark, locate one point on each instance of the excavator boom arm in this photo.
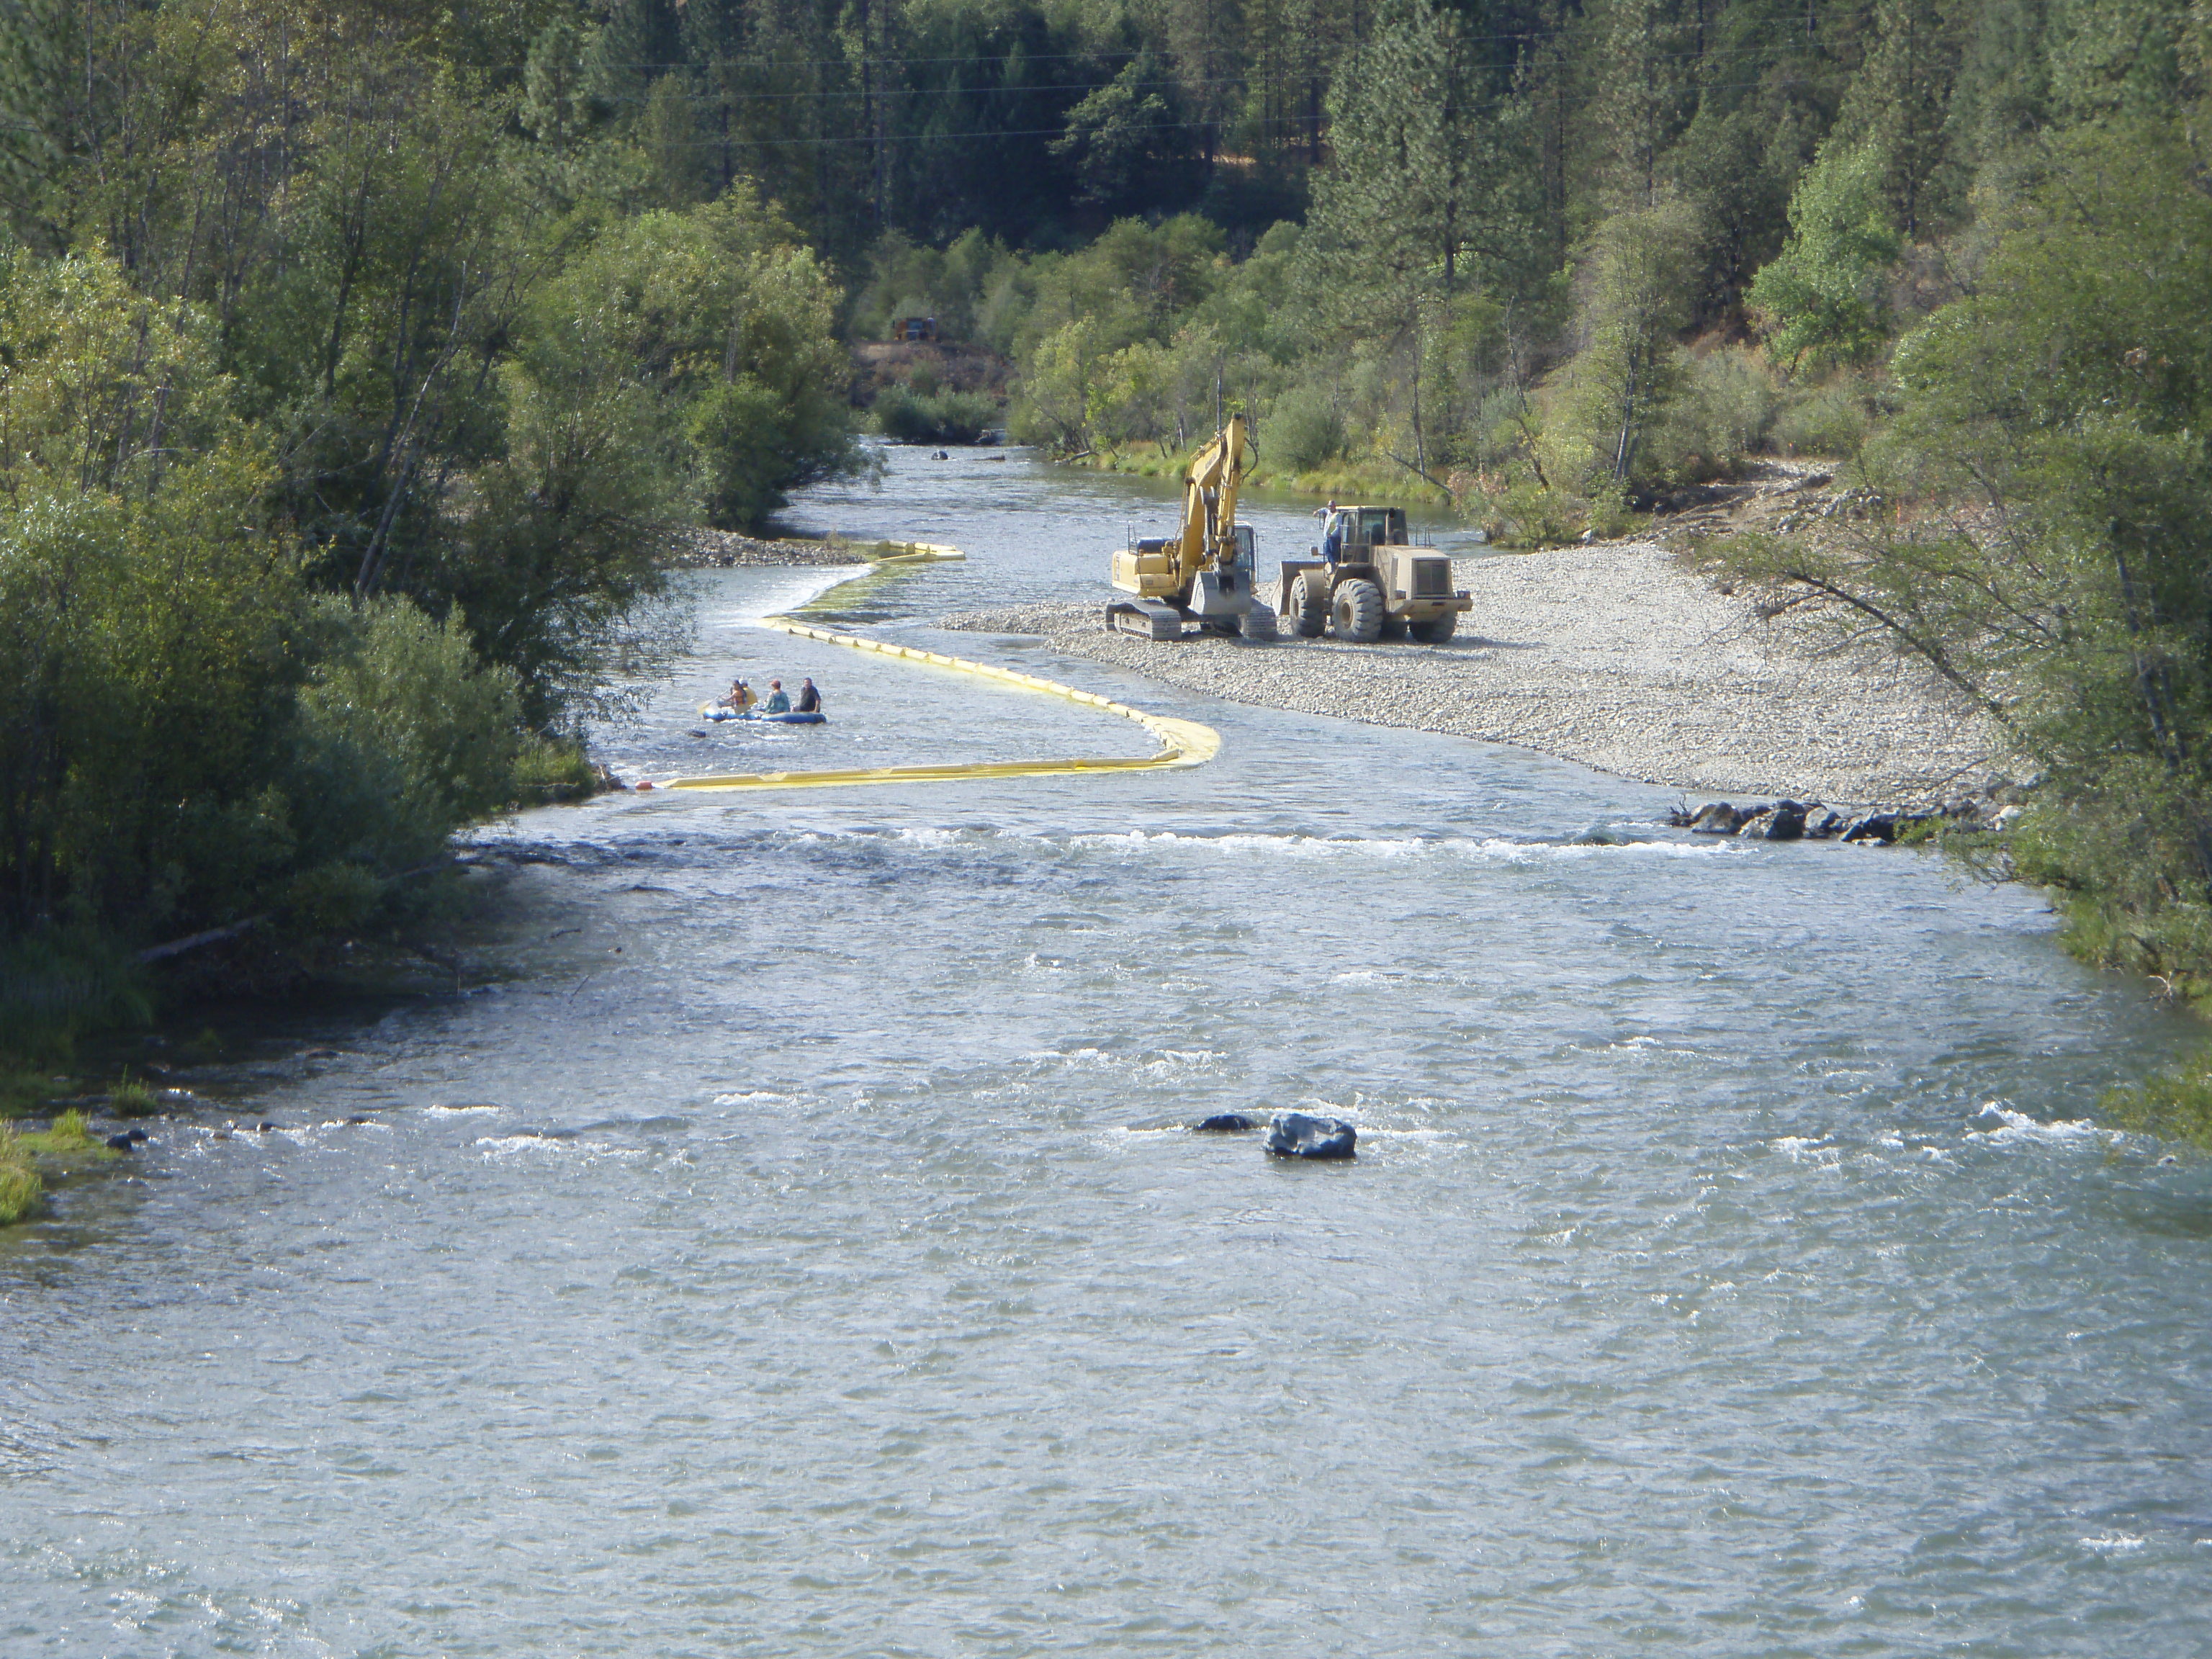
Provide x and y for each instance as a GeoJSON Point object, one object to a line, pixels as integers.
{"type": "Point", "coordinates": [1209, 501]}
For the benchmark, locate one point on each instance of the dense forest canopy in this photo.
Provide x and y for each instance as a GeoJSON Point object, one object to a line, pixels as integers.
{"type": "Point", "coordinates": [347, 344]}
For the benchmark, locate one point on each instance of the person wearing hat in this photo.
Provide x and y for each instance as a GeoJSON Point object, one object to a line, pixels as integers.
{"type": "Point", "coordinates": [778, 703]}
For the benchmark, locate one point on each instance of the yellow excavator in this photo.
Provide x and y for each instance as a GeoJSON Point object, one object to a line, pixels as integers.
{"type": "Point", "coordinates": [1205, 574]}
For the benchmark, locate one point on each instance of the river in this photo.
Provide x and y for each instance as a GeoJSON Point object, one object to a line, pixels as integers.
{"type": "Point", "coordinates": [780, 1240]}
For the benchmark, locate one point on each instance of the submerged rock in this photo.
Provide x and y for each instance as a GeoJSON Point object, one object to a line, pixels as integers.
{"type": "Point", "coordinates": [1716, 818]}
{"type": "Point", "coordinates": [1223, 1123]}
{"type": "Point", "coordinates": [1297, 1134]}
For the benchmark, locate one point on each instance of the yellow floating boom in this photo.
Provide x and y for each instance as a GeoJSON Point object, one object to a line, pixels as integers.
{"type": "Point", "coordinates": [1182, 743]}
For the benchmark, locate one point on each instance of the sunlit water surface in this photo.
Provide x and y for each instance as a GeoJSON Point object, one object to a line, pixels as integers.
{"type": "Point", "coordinates": [785, 1241]}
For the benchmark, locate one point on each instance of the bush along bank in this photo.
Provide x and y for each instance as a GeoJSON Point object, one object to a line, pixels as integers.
{"type": "Point", "coordinates": [2029, 522]}
{"type": "Point", "coordinates": [327, 521]}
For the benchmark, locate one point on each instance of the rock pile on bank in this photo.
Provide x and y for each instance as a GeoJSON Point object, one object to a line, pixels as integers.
{"type": "Point", "coordinates": [1612, 655]}
{"type": "Point", "coordinates": [1790, 820]}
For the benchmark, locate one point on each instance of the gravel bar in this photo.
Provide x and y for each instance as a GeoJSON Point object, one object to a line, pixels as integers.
{"type": "Point", "coordinates": [723, 549]}
{"type": "Point", "coordinates": [1612, 655]}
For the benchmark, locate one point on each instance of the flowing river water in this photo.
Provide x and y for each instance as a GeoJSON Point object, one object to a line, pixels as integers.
{"type": "Point", "coordinates": [782, 1240]}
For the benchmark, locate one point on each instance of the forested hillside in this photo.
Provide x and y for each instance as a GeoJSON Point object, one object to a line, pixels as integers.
{"type": "Point", "coordinates": [1556, 261]}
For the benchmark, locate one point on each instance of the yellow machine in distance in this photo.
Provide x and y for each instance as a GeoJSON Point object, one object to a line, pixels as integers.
{"type": "Point", "coordinates": [1203, 574]}
{"type": "Point", "coordinates": [1372, 582]}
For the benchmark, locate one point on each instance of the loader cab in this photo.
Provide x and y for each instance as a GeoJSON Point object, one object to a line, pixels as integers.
{"type": "Point", "coordinates": [1374, 527]}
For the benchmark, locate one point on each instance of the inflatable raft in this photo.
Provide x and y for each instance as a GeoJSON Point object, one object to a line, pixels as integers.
{"type": "Point", "coordinates": [714, 711]}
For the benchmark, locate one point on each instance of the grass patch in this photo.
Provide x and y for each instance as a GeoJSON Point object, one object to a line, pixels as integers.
{"type": "Point", "coordinates": [2175, 1105]}
{"type": "Point", "coordinates": [20, 1187]}
{"type": "Point", "coordinates": [131, 1098]}
{"type": "Point", "coordinates": [67, 1138]}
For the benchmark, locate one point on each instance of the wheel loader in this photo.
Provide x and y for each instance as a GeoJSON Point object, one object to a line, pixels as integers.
{"type": "Point", "coordinates": [1202, 574]}
{"type": "Point", "coordinates": [1380, 586]}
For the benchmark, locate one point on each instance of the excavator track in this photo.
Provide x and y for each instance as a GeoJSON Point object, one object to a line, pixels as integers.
{"type": "Point", "coordinates": [1144, 620]}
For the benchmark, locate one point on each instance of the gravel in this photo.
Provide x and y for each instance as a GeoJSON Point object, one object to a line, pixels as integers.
{"type": "Point", "coordinates": [723, 549]}
{"type": "Point", "coordinates": [1612, 655]}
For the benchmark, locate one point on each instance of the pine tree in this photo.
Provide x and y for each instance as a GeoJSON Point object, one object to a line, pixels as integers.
{"type": "Point", "coordinates": [29, 60]}
{"type": "Point", "coordinates": [1642, 94]}
{"type": "Point", "coordinates": [1898, 104]}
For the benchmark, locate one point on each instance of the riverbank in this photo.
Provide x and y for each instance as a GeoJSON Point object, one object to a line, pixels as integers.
{"type": "Point", "coordinates": [1612, 655]}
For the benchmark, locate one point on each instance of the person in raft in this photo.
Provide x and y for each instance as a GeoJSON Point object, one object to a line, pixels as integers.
{"type": "Point", "coordinates": [741, 696]}
{"type": "Point", "coordinates": [777, 702]}
{"type": "Point", "coordinates": [810, 700]}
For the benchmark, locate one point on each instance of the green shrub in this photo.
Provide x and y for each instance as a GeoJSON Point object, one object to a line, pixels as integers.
{"type": "Point", "coordinates": [1830, 419]}
{"type": "Point", "coordinates": [330, 899]}
{"type": "Point", "coordinates": [547, 771]}
{"type": "Point", "coordinates": [1304, 430]}
{"type": "Point", "coordinates": [131, 1098]}
{"type": "Point", "coordinates": [21, 1189]}
{"type": "Point", "coordinates": [403, 738]}
{"type": "Point", "coordinates": [943, 417]}
{"type": "Point", "coordinates": [1529, 515]}
{"type": "Point", "coordinates": [1724, 411]}
{"type": "Point", "coordinates": [1822, 300]}
{"type": "Point", "coordinates": [2175, 1105]}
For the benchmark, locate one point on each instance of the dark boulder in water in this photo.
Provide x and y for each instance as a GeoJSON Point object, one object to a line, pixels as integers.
{"type": "Point", "coordinates": [1225, 1123]}
{"type": "Point", "coordinates": [1786, 822]}
{"type": "Point", "coordinates": [1296, 1134]}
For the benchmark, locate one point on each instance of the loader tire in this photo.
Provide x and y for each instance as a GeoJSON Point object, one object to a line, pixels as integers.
{"type": "Point", "coordinates": [1358, 613]}
{"type": "Point", "coordinates": [1307, 610]}
{"type": "Point", "coordinates": [1437, 628]}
